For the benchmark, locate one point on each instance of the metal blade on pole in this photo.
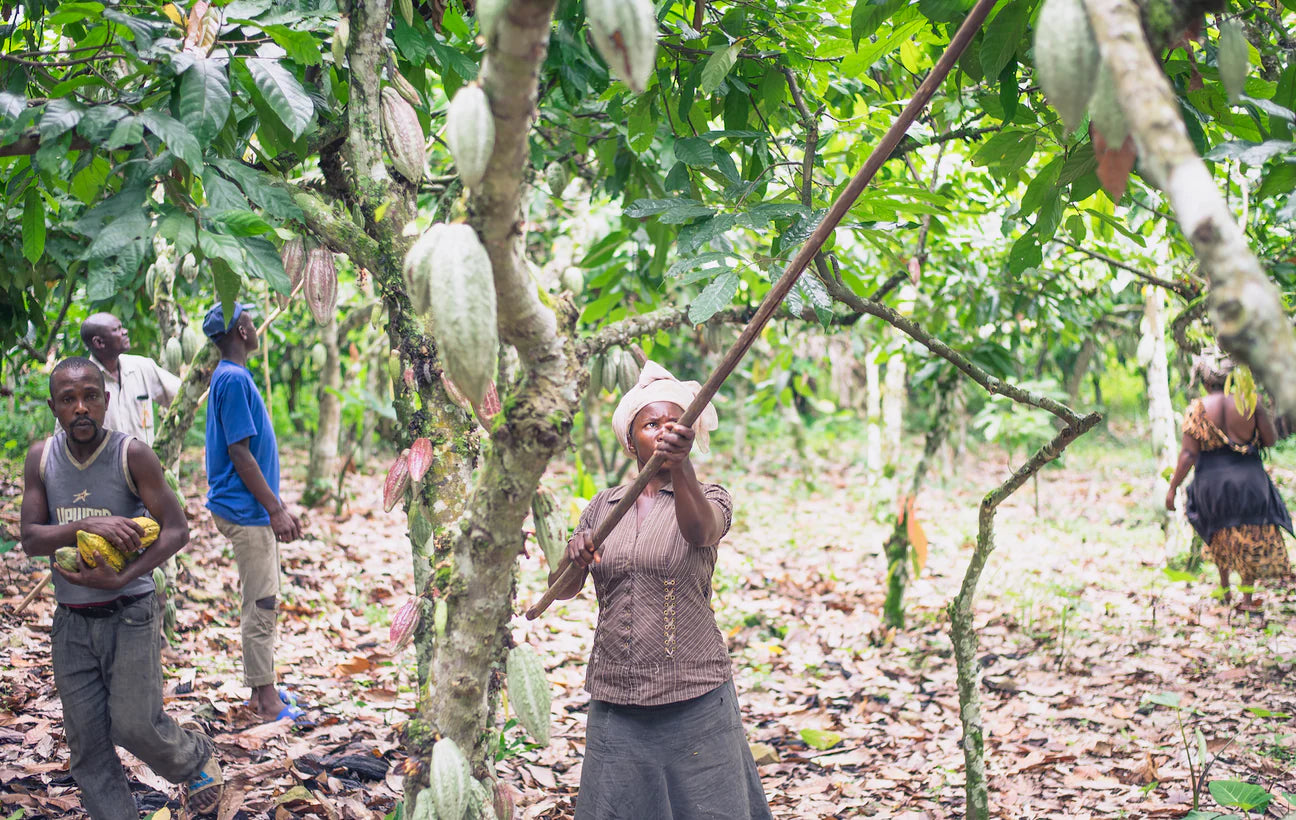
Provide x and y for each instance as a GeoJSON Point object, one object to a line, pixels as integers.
{"type": "Point", "coordinates": [568, 571]}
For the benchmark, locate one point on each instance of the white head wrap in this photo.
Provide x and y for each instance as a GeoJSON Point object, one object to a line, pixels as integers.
{"type": "Point", "coordinates": [657, 384]}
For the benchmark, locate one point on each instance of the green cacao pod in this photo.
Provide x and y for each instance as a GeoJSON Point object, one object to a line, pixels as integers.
{"type": "Point", "coordinates": [448, 779]}
{"type": "Point", "coordinates": [172, 355]}
{"type": "Point", "coordinates": [151, 281]}
{"type": "Point", "coordinates": [470, 133]}
{"type": "Point", "coordinates": [394, 365]}
{"type": "Point", "coordinates": [319, 355]}
{"type": "Point", "coordinates": [611, 369]}
{"type": "Point", "coordinates": [424, 808]}
{"type": "Point", "coordinates": [480, 806]}
{"type": "Point", "coordinates": [341, 39]}
{"type": "Point", "coordinates": [191, 341]}
{"type": "Point", "coordinates": [1105, 112]}
{"type": "Point", "coordinates": [285, 371]}
{"type": "Point", "coordinates": [406, 11]}
{"type": "Point", "coordinates": [189, 267]}
{"type": "Point", "coordinates": [440, 617]}
{"type": "Point", "coordinates": [1234, 59]}
{"type": "Point", "coordinates": [403, 134]}
{"type": "Point", "coordinates": [321, 285]}
{"type": "Point", "coordinates": [463, 313]}
{"type": "Point", "coordinates": [406, 89]}
{"type": "Point", "coordinates": [573, 280]}
{"type": "Point", "coordinates": [595, 366]}
{"type": "Point", "coordinates": [489, 13]}
{"type": "Point", "coordinates": [550, 526]}
{"type": "Point", "coordinates": [68, 558]}
{"type": "Point", "coordinates": [528, 690]}
{"type": "Point", "coordinates": [418, 269]}
{"type": "Point", "coordinates": [1066, 58]}
{"type": "Point", "coordinates": [420, 527]}
{"type": "Point", "coordinates": [625, 33]}
{"type": "Point", "coordinates": [556, 178]}
{"type": "Point", "coordinates": [627, 372]}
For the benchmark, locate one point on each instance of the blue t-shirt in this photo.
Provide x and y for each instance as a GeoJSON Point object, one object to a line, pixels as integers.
{"type": "Point", "coordinates": [236, 411]}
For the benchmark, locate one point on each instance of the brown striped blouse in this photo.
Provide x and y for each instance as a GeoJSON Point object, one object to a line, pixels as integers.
{"type": "Point", "coordinates": [657, 641]}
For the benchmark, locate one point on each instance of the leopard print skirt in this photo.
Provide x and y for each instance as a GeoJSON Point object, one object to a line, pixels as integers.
{"type": "Point", "coordinates": [1254, 551]}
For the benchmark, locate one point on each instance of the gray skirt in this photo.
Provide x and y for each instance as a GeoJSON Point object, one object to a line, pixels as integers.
{"type": "Point", "coordinates": [678, 761]}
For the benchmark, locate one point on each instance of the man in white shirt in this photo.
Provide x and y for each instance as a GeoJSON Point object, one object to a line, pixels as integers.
{"type": "Point", "coordinates": [133, 383]}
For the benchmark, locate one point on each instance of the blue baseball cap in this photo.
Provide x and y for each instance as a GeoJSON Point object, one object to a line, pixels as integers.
{"type": "Point", "coordinates": [214, 324]}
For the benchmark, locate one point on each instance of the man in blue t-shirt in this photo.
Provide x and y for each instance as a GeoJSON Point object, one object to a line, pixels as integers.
{"type": "Point", "coordinates": [243, 496]}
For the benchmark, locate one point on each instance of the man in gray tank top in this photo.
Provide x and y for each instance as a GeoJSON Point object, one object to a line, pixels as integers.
{"type": "Point", "coordinates": [107, 626]}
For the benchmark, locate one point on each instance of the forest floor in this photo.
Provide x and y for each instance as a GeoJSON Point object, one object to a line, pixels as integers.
{"type": "Point", "coordinates": [1102, 674]}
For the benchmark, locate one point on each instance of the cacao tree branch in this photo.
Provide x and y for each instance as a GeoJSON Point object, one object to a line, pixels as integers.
{"type": "Point", "coordinates": [1245, 306]}
{"type": "Point", "coordinates": [510, 78]}
{"type": "Point", "coordinates": [338, 232]}
{"type": "Point", "coordinates": [1183, 289]}
{"type": "Point", "coordinates": [30, 142]}
{"type": "Point", "coordinates": [992, 384]}
{"type": "Point", "coordinates": [963, 633]}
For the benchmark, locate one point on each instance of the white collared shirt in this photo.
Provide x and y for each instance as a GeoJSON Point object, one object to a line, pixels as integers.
{"type": "Point", "coordinates": [141, 381]}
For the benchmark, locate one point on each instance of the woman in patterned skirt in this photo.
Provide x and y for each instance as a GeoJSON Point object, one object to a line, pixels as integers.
{"type": "Point", "coordinates": [664, 738]}
{"type": "Point", "coordinates": [1232, 503]}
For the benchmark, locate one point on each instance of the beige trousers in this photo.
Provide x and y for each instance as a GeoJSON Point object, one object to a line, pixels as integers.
{"type": "Point", "coordinates": [257, 553]}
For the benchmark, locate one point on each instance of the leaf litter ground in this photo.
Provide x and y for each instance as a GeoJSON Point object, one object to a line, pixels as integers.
{"type": "Point", "coordinates": [1082, 636]}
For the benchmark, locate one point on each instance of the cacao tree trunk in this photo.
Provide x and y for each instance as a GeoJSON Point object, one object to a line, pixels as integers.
{"type": "Point", "coordinates": [179, 417]}
{"type": "Point", "coordinates": [322, 473]}
{"type": "Point", "coordinates": [893, 400]}
{"type": "Point", "coordinates": [898, 545]}
{"type": "Point", "coordinates": [963, 634]}
{"type": "Point", "coordinates": [1165, 439]}
{"type": "Point", "coordinates": [873, 412]}
{"type": "Point", "coordinates": [1075, 379]}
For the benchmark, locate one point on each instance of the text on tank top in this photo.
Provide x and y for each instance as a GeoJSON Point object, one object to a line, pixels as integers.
{"type": "Point", "coordinates": [99, 486]}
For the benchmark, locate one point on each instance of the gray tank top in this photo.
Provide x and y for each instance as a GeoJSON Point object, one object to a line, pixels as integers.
{"type": "Point", "coordinates": [101, 485]}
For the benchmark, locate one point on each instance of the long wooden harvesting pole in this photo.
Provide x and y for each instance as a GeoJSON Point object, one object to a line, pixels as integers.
{"type": "Point", "coordinates": [567, 570]}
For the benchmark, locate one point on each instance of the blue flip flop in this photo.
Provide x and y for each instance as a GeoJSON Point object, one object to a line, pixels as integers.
{"type": "Point", "coordinates": [300, 719]}
{"type": "Point", "coordinates": [289, 697]}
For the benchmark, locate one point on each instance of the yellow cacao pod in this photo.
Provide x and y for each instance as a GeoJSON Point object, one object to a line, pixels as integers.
{"type": "Point", "coordinates": [403, 134]}
{"type": "Point", "coordinates": [1066, 58]}
{"type": "Point", "coordinates": [89, 544]}
{"type": "Point", "coordinates": [625, 33]}
{"type": "Point", "coordinates": [463, 313]}
{"type": "Point", "coordinates": [321, 285]}
{"type": "Point", "coordinates": [470, 133]}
